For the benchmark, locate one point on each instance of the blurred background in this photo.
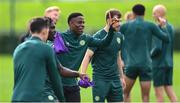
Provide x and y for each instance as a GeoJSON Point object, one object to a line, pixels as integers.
{"type": "Point", "coordinates": [15, 14]}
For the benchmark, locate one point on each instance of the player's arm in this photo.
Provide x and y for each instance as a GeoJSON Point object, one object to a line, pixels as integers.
{"type": "Point", "coordinates": [96, 42]}
{"type": "Point", "coordinates": [121, 66]}
{"type": "Point", "coordinates": [86, 60]}
{"type": "Point", "coordinates": [171, 30]}
{"type": "Point", "coordinates": [156, 47]}
{"type": "Point", "coordinates": [161, 32]}
{"type": "Point", "coordinates": [65, 72]}
{"type": "Point", "coordinates": [54, 75]}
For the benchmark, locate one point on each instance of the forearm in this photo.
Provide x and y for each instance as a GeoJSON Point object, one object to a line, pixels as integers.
{"type": "Point", "coordinates": [85, 62]}
{"type": "Point", "coordinates": [120, 71]}
{"type": "Point", "coordinates": [163, 34]}
{"type": "Point", "coordinates": [156, 47]}
{"type": "Point", "coordinates": [96, 42]}
{"type": "Point", "coordinates": [84, 65]}
{"type": "Point", "coordinates": [120, 66]}
{"type": "Point", "coordinates": [108, 38]}
{"type": "Point", "coordinates": [65, 72]}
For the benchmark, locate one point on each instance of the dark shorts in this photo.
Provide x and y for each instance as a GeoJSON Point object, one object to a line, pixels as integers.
{"type": "Point", "coordinates": [107, 90]}
{"type": "Point", "coordinates": [162, 76]}
{"type": "Point", "coordinates": [144, 73]}
{"type": "Point", "coordinates": [72, 93]}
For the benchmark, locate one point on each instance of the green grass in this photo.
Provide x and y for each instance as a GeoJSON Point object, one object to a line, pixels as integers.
{"type": "Point", "coordinates": [93, 11]}
{"type": "Point", "coordinates": [6, 81]}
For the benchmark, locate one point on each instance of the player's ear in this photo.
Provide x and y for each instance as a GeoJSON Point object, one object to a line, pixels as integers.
{"type": "Point", "coordinates": [70, 22]}
{"type": "Point", "coordinates": [45, 31]}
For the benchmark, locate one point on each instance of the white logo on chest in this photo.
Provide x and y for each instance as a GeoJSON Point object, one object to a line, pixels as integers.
{"type": "Point", "coordinates": [118, 40]}
{"type": "Point", "coordinates": [97, 98]}
{"type": "Point", "coordinates": [50, 97]}
{"type": "Point", "coordinates": [82, 42]}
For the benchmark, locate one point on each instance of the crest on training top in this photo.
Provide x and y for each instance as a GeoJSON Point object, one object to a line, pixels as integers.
{"type": "Point", "coordinates": [118, 40]}
{"type": "Point", "coordinates": [82, 42]}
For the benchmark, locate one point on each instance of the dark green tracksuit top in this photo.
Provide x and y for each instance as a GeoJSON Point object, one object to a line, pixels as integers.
{"type": "Point", "coordinates": [162, 53]}
{"type": "Point", "coordinates": [77, 46]}
{"type": "Point", "coordinates": [34, 63]}
{"type": "Point", "coordinates": [138, 38]}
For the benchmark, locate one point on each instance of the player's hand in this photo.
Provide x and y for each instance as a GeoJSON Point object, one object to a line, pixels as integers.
{"type": "Point", "coordinates": [111, 21]}
{"type": "Point", "coordinates": [123, 83]}
{"type": "Point", "coordinates": [83, 76]}
{"type": "Point", "coordinates": [161, 21]}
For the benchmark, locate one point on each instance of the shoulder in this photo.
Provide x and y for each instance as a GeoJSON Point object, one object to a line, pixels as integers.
{"type": "Point", "coordinates": [151, 24]}
{"type": "Point", "coordinates": [63, 34]}
{"type": "Point", "coordinates": [44, 46]}
{"type": "Point", "coordinates": [18, 47]}
{"type": "Point", "coordinates": [99, 34]}
{"type": "Point", "coordinates": [170, 26]}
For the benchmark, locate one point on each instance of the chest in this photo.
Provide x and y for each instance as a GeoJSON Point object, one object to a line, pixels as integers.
{"type": "Point", "coordinates": [114, 46]}
{"type": "Point", "coordinates": [75, 46]}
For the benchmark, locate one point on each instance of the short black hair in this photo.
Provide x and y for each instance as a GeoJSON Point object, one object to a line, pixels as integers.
{"type": "Point", "coordinates": [73, 15]}
{"type": "Point", "coordinates": [138, 9]}
{"type": "Point", "coordinates": [37, 24]}
{"type": "Point", "coordinates": [51, 23]}
{"type": "Point", "coordinates": [112, 12]}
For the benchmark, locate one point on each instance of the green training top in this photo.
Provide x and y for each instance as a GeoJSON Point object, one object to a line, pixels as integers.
{"type": "Point", "coordinates": [104, 60]}
{"type": "Point", "coordinates": [77, 46]}
{"type": "Point", "coordinates": [34, 62]}
{"type": "Point", "coordinates": [137, 45]}
{"type": "Point", "coordinates": [162, 53]}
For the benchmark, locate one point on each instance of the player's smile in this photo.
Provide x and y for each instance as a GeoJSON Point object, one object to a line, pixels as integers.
{"type": "Point", "coordinates": [79, 24]}
{"type": "Point", "coordinates": [80, 28]}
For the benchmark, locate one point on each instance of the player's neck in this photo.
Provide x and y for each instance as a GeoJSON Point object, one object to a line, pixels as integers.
{"type": "Point", "coordinates": [38, 35]}
{"type": "Point", "coordinates": [138, 16]}
{"type": "Point", "coordinates": [106, 28]}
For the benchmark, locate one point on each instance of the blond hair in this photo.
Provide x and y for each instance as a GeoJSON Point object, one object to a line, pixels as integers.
{"type": "Point", "coordinates": [52, 8]}
{"type": "Point", "coordinates": [160, 8]}
{"type": "Point", "coordinates": [128, 15]}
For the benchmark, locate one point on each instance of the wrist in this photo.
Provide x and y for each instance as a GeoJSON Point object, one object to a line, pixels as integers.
{"type": "Point", "coordinates": [106, 28]}
{"type": "Point", "coordinates": [77, 74]}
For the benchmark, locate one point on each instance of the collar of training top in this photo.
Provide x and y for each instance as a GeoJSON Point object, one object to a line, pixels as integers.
{"type": "Point", "coordinates": [139, 18]}
{"type": "Point", "coordinates": [74, 35]}
{"type": "Point", "coordinates": [35, 38]}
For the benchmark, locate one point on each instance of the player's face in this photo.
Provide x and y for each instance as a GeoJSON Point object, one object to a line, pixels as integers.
{"type": "Point", "coordinates": [44, 34]}
{"type": "Point", "coordinates": [77, 25]}
{"type": "Point", "coordinates": [116, 25]}
{"type": "Point", "coordinates": [156, 15]}
{"type": "Point", "coordinates": [131, 17]}
{"type": "Point", "coordinates": [52, 32]}
{"type": "Point", "coordinates": [54, 15]}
